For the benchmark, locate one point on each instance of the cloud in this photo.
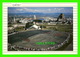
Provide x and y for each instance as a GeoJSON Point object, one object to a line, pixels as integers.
{"type": "Point", "coordinates": [44, 10]}
{"type": "Point", "coordinates": [19, 9]}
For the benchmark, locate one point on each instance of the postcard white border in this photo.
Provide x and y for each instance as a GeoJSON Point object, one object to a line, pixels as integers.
{"type": "Point", "coordinates": [5, 18]}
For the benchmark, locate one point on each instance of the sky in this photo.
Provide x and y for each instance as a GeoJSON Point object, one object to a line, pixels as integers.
{"type": "Point", "coordinates": [40, 9]}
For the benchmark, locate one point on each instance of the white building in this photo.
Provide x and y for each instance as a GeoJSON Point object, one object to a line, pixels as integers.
{"type": "Point", "coordinates": [35, 26]}
{"type": "Point", "coordinates": [23, 21]}
{"type": "Point", "coordinates": [14, 20]}
{"type": "Point", "coordinates": [34, 16]}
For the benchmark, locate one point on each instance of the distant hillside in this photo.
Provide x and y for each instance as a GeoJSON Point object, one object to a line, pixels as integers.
{"type": "Point", "coordinates": [42, 14]}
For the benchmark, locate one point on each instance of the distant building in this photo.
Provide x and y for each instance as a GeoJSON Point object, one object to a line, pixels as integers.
{"type": "Point", "coordinates": [23, 21]}
{"type": "Point", "coordinates": [38, 20]}
{"type": "Point", "coordinates": [10, 28]}
{"type": "Point", "coordinates": [34, 17]}
{"type": "Point", "coordinates": [14, 20]}
{"type": "Point", "coordinates": [18, 25]}
{"type": "Point", "coordinates": [61, 18]}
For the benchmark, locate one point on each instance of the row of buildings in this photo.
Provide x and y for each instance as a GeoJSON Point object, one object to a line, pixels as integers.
{"type": "Point", "coordinates": [18, 22]}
